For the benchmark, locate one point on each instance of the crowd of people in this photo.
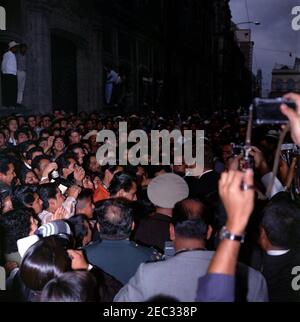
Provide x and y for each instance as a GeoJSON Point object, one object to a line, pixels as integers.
{"type": "Point", "coordinates": [72, 229]}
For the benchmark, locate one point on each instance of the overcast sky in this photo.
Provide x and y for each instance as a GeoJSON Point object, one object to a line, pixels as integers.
{"type": "Point", "coordinates": [275, 33]}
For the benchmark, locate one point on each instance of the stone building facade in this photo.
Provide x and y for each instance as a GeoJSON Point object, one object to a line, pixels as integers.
{"type": "Point", "coordinates": [173, 54]}
{"type": "Point", "coordinates": [285, 79]}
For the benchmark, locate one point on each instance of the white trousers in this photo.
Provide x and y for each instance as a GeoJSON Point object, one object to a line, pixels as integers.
{"type": "Point", "coordinates": [21, 85]}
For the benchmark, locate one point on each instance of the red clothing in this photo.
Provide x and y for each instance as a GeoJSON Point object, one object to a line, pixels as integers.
{"type": "Point", "coordinates": [101, 194]}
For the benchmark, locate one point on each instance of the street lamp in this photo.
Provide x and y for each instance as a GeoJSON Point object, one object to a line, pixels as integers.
{"type": "Point", "coordinates": [257, 23]}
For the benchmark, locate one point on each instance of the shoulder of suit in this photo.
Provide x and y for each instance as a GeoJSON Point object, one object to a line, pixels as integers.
{"type": "Point", "coordinates": [92, 246]}
{"type": "Point", "coordinates": [152, 252]}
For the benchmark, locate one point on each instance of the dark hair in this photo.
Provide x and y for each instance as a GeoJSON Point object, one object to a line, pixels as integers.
{"type": "Point", "coordinates": [153, 169]}
{"type": "Point", "coordinates": [186, 210]}
{"type": "Point", "coordinates": [22, 131]}
{"type": "Point", "coordinates": [4, 165]}
{"type": "Point", "coordinates": [12, 118]}
{"type": "Point", "coordinates": [23, 196]}
{"type": "Point", "coordinates": [85, 194]}
{"type": "Point", "coordinates": [208, 157]}
{"type": "Point", "coordinates": [36, 162]}
{"type": "Point", "coordinates": [15, 225]}
{"type": "Point", "coordinates": [63, 161]}
{"type": "Point", "coordinates": [23, 147]}
{"type": "Point", "coordinates": [120, 181]}
{"type": "Point", "coordinates": [47, 191]}
{"type": "Point", "coordinates": [189, 222]}
{"type": "Point", "coordinates": [59, 137]}
{"type": "Point", "coordinates": [44, 261]}
{"type": "Point", "coordinates": [115, 217]}
{"type": "Point", "coordinates": [30, 153]}
{"type": "Point", "coordinates": [87, 161]}
{"type": "Point", "coordinates": [76, 286]}
{"type": "Point", "coordinates": [73, 147]}
{"type": "Point", "coordinates": [22, 173]}
{"type": "Point", "coordinates": [3, 134]}
{"type": "Point", "coordinates": [73, 131]}
{"type": "Point", "coordinates": [29, 116]}
{"type": "Point", "coordinates": [45, 131]}
{"type": "Point", "coordinates": [79, 230]}
{"type": "Point", "coordinates": [281, 222]}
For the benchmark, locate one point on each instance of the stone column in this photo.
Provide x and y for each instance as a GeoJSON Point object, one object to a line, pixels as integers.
{"type": "Point", "coordinates": [89, 74]}
{"type": "Point", "coordinates": [83, 75]}
{"type": "Point", "coordinates": [96, 89]}
{"type": "Point", "coordinates": [38, 38]}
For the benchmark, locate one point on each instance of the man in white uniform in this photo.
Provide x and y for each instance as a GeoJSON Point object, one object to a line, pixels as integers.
{"type": "Point", "coordinates": [21, 74]}
{"type": "Point", "coordinates": [9, 76]}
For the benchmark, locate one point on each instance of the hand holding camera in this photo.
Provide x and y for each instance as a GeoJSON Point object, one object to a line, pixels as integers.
{"type": "Point", "coordinates": [293, 116]}
{"type": "Point", "coordinates": [260, 162]}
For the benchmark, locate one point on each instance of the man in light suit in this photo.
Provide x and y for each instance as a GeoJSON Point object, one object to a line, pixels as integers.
{"type": "Point", "coordinates": [178, 276]}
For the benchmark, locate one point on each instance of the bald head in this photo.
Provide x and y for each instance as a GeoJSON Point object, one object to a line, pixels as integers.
{"type": "Point", "coordinates": [115, 218]}
{"type": "Point", "coordinates": [189, 209]}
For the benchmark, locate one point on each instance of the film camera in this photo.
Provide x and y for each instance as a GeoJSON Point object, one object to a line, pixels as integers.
{"type": "Point", "coordinates": [267, 111]}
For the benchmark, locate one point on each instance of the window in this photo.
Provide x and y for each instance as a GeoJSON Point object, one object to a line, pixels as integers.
{"type": "Point", "coordinates": [291, 85]}
{"type": "Point", "coordinates": [279, 85]}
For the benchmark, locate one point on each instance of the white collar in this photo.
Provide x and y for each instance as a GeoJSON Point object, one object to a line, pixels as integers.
{"type": "Point", "coordinates": [207, 171]}
{"type": "Point", "coordinates": [277, 252]}
{"type": "Point", "coordinates": [28, 166]}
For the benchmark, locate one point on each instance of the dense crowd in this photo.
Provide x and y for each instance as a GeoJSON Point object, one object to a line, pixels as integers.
{"type": "Point", "coordinates": [73, 229]}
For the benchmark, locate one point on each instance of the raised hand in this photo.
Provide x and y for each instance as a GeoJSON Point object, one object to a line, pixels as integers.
{"type": "Point", "coordinates": [293, 116]}
{"type": "Point", "coordinates": [78, 260]}
{"type": "Point", "coordinates": [238, 202]}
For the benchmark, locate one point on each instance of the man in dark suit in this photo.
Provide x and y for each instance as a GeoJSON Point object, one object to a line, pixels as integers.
{"type": "Point", "coordinates": [279, 239]}
{"type": "Point", "coordinates": [207, 183]}
{"type": "Point", "coordinates": [115, 253]}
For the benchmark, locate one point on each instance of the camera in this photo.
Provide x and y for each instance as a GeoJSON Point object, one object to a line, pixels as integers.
{"type": "Point", "coordinates": [267, 111]}
{"type": "Point", "coordinates": [247, 161]}
{"type": "Point", "coordinates": [237, 149]}
{"type": "Point", "coordinates": [54, 175]}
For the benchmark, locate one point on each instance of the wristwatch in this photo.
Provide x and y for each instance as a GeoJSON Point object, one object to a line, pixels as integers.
{"type": "Point", "coordinates": [226, 234]}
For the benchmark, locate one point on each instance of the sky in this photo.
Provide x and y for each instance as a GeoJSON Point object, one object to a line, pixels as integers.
{"type": "Point", "coordinates": [274, 34]}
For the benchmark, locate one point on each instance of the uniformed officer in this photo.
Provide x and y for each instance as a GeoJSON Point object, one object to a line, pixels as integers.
{"type": "Point", "coordinates": [115, 253]}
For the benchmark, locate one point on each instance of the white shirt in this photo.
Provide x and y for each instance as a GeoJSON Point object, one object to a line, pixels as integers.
{"type": "Point", "coordinates": [9, 63]}
{"type": "Point", "coordinates": [112, 77]}
{"type": "Point", "coordinates": [277, 252]}
{"type": "Point", "coordinates": [277, 186]}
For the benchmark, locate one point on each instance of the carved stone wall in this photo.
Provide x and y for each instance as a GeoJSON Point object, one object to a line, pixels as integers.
{"type": "Point", "coordinates": [66, 20]}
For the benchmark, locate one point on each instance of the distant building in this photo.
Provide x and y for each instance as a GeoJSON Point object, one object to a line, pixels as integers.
{"type": "Point", "coordinates": [258, 84]}
{"type": "Point", "coordinates": [285, 79]}
{"type": "Point", "coordinates": [243, 37]}
{"type": "Point", "coordinates": [171, 54]}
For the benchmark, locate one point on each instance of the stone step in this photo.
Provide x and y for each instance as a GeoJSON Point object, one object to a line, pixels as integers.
{"type": "Point", "coordinates": [19, 110]}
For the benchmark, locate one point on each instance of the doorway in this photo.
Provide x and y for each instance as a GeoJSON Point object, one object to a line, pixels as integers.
{"type": "Point", "coordinates": [64, 74]}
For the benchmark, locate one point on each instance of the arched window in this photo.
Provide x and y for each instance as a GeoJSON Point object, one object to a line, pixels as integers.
{"type": "Point", "coordinates": [291, 85]}
{"type": "Point", "coordinates": [279, 85]}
